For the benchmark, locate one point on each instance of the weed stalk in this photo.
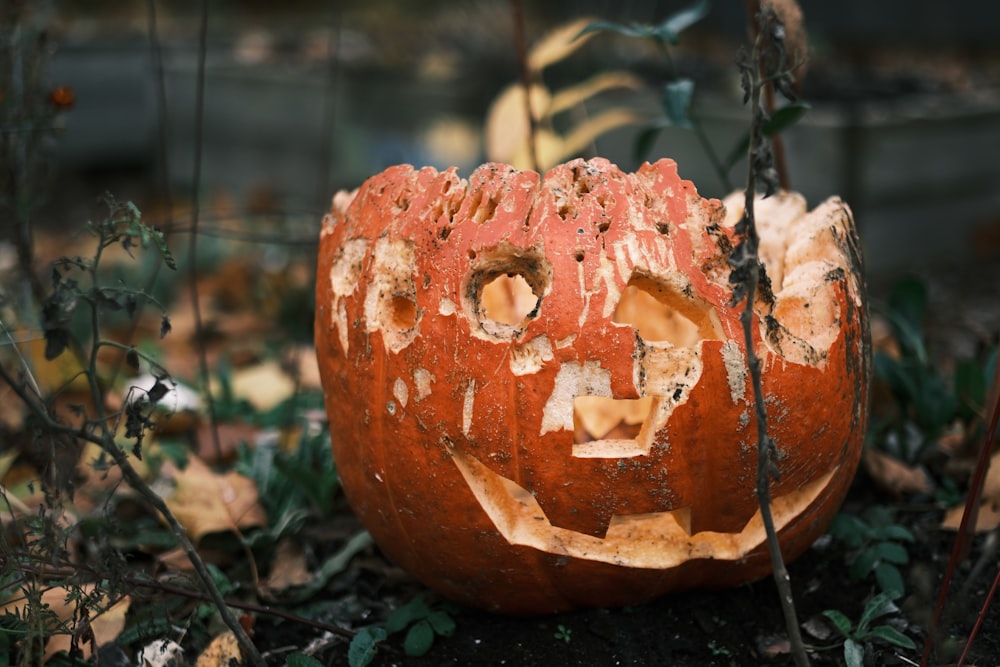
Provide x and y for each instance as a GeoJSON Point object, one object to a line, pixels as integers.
{"type": "Point", "coordinates": [746, 275]}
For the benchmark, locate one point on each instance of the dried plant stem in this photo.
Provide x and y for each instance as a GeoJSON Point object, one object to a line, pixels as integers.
{"type": "Point", "coordinates": [777, 145]}
{"type": "Point", "coordinates": [521, 46]}
{"type": "Point", "coordinates": [97, 433]}
{"type": "Point", "coordinates": [963, 539]}
{"type": "Point", "coordinates": [750, 270]}
{"type": "Point", "coordinates": [199, 122]}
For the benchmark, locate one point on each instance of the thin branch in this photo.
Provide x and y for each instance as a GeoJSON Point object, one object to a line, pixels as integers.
{"type": "Point", "coordinates": [746, 276]}
{"type": "Point", "coordinates": [520, 44]}
{"type": "Point", "coordinates": [965, 528]}
{"type": "Point", "coordinates": [199, 123]}
{"type": "Point", "coordinates": [107, 442]}
{"type": "Point", "coordinates": [328, 108]}
{"type": "Point", "coordinates": [777, 144]}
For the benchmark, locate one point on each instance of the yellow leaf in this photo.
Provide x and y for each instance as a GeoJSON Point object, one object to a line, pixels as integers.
{"type": "Point", "coordinates": [223, 651]}
{"type": "Point", "coordinates": [558, 44]}
{"type": "Point", "coordinates": [988, 516]}
{"type": "Point", "coordinates": [507, 128]}
{"type": "Point", "coordinates": [572, 95]}
{"type": "Point", "coordinates": [289, 568]}
{"type": "Point", "coordinates": [208, 502]}
{"type": "Point", "coordinates": [264, 385]}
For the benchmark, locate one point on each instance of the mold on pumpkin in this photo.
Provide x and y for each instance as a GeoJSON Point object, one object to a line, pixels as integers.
{"type": "Point", "coordinates": [570, 420]}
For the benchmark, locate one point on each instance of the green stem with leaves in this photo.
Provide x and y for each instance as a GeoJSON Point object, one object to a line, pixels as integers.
{"type": "Point", "coordinates": [695, 123]}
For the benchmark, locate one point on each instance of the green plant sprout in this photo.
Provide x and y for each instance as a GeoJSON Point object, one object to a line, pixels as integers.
{"type": "Point", "coordinates": [563, 633]}
{"type": "Point", "coordinates": [926, 402]}
{"type": "Point", "coordinates": [718, 649]}
{"type": "Point", "coordinates": [677, 96]}
{"type": "Point", "coordinates": [877, 547]}
{"type": "Point", "coordinates": [855, 637]}
{"type": "Point", "coordinates": [421, 621]}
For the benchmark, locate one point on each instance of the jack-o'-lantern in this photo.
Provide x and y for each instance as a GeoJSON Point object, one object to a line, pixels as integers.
{"type": "Point", "coordinates": [537, 387]}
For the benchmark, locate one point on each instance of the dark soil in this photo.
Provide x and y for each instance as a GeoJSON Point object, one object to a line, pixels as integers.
{"type": "Point", "coordinates": [731, 628]}
{"type": "Point", "coordinates": [737, 627]}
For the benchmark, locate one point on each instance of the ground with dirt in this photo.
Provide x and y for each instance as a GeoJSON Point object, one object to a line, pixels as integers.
{"type": "Point", "coordinates": [737, 627]}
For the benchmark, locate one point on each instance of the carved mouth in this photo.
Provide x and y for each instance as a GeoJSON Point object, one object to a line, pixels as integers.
{"type": "Point", "coordinates": [659, 540]}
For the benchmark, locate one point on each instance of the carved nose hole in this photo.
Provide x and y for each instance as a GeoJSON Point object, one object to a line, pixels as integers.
{"type": "Point", "coordinates": [606, 427]}
{"type": "Point", "coordinates": [509, 299]}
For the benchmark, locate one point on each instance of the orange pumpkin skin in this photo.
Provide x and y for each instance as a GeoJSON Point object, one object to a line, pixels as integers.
{"type": "Point", "coordinates": [453, 427]}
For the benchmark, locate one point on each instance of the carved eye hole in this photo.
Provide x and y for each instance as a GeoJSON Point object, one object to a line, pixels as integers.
{"type": "Point", "coordinates": [509, 299]}
{"type": "Point", "coordinates": [654, 318]}
{"type": "Point", "coordinates": [505, 289]}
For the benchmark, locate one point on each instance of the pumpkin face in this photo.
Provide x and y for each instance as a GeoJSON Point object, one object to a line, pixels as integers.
{"type": "Point", "coordinates": [537, 388]}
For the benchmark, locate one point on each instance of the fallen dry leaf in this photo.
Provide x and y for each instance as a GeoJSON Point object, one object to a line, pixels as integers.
{"type": "Point", "coordinates": [264, 385]}
{"type": "Point", "coordinates": [988, 516]}
{"type": "Point", "coordinates": [894, 476]}
{"type": "Point", "coordinates": [289, 567]}
{"type": "Point", "coordinates": [207, 502]}
{"type": "Point", "coordinates": [223, 651]}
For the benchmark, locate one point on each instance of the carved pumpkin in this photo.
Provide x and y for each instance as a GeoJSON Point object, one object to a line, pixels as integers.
{"type": "Point", "coordinates": [537, 388]}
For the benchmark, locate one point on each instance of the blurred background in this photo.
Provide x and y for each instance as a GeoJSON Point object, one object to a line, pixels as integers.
{"type": "Point", "coordinates": [305, 97]}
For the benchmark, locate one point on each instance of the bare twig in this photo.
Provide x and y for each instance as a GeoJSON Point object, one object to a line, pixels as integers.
{"type": "Point", "coordinates": [199, 123]}
{"type": "Point", "coordinates": [520, 44]}
{"type": "Point", "coordinates": [98, 434]}
{"type": "Point", "coordinates": [329, 105]}
{"type": "Point", "coordinates": [777, 145]}
{"type": "Point", "coordinates": [965, 529]}
{"type": "Point", "coordinates": [745, 278]}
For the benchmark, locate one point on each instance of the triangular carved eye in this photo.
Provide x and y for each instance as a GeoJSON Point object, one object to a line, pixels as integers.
{"type": "Point", "coordinates": [661, 312]}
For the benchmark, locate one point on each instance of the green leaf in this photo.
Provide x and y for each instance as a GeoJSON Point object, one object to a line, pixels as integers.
{"type": "Point", "coordinates": [631, 30]}
{"type": "Point", "coordinates": [670, 30]}
{"type": "Point", "coordinates": [893, 532]}
{"type": "Point", "coordinates": [442, 622]}
{"type": "Point", "coordinates": [419, 639]}
{"type": "Point", "coordinates": [896, 375]}
{"type": "Point", "coordinates": [303, 660]}
{"type": "Point", "coordinates": [220, 579]}
{"type": "Point", "coordinates": [970, 387]}
{"type": "Point", "coordinates": [892, 553]}
{"type": "Point", "coordinates": [891, 635]}
{"type": "Point", "coordinates": [879, 605]}
{"type": "Point", "coordinates": [780, 120]}
{"type": "Point", "coordinates": [863, 564]}
{"type": "Point", "coordinates": [840, 621]}
{"type": "Point", "coordinates": [991, 363]}
{"type": "Point", "coordinates": [414, 610]}
{"type": "Point", "coordinates": [908, 299]}
{"type": "Point", "coordinates": [644, 142]}
{"type": "Point", "coordinates": [849, 529]}
{"type": "Point", "coordinates": [854, 654]}
{"type": "Point", "coordinates": [364, 646]}
{"type": "Point", "coordinates": [334, 566]}
{"type": "Point", "coordinates": [676, 101]}
{"type": "Point", "coordinates": [889, 579]}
